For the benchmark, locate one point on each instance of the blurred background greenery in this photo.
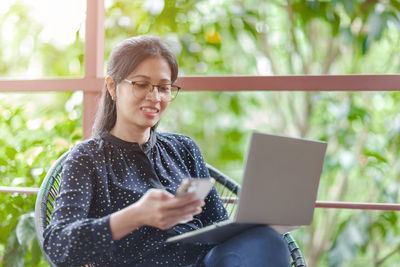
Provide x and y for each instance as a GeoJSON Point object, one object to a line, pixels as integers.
{"type": "Point", "coordinates": [41, 39]}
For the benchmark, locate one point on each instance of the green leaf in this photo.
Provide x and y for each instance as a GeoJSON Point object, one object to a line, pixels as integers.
{"type": "Point", "coordinates": [36, 252]}
{"type": "Point", "coordinates": [26, 229]}
{"type": "Point", "coordinates": [349, 6]}
{"type": "Point", "coordinates": [352, 237]}
{"type": "Point", "coordinates": [376, 155]}
{"type": "Point", "coordinates": [391, 217]}
{"type": "Point", "coordinates": [396, 4]}
{"type": "Point", "coordinates": [376, 25]}
{"type": "Point", "coordinates": [14, 254]}
{"type": "Point", "coordinates": [11, 152]}
{"type": "Point", "coordinates": [3, 161]}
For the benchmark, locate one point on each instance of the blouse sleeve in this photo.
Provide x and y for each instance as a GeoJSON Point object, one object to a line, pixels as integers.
{"type": "Point", "coordinates": [72, 238]}
{"type": "Point", "coordinates": [214, 210]}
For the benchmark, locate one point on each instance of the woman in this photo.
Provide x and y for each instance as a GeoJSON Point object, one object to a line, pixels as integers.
{"type": "Point", "coordinates": [116, 205]}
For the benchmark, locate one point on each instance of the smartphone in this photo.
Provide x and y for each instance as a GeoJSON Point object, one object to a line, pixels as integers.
{"type": "Point", "coordinates": [200, 186]}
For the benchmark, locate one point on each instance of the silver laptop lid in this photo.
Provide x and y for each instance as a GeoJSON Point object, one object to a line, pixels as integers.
{"type": "Point", "coordinates": [280, 181]}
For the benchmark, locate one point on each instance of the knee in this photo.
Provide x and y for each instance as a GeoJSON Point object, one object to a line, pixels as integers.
{"type": "Point", "coordinates": [268, 235]}
{"type": "Point", "coordinates": [230, 259]}
{"type": "Point", "coordinates": [253, 247]}
{"type": "Point", "coordinates": [268, 245]}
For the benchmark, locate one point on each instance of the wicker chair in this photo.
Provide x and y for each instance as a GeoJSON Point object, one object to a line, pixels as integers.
{"type": "Point", "coordinates": [226, 187]}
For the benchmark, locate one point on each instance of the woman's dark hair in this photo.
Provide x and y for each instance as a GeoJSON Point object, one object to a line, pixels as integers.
{"type": "Point", "coordinates": [124, 58]}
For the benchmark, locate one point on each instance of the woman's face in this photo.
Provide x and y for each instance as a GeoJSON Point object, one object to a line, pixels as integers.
{"type": "Point", "coordinates": [135, 113]}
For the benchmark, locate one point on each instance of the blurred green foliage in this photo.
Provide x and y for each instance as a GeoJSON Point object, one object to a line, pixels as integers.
{"type": "Point", "coordinates": [234, 37]}
{"type": "Point", "coordinates": [30, 143]}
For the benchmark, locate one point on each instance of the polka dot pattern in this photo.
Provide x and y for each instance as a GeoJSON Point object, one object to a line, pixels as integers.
{"type": "Point", "coordinates": [105, 174]}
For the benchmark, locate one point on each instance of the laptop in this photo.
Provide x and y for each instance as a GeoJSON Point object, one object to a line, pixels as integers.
{"type": "Point", "coordinates": [279, 188]}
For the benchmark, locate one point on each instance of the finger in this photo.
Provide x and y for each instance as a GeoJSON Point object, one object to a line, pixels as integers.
{"type": "Point", "coordinates": [186, 197]}
{"type": "Point", "coordinates": [181, 219]}
{"type": "Point", "coordinates": [198, 211]}
{"type": "Point", "coordinates": [194, 211]}
{"type": "Point", "coordinates": [185, 206]}
{"type": "Point", "coordinates": [185, 211]}
{"type": "Point", "coordinates": [173, 220]}
{"type": "Point", "coordinates": [165, 195]}
{"type": "Point", "coordinates": [180, 201]}
{"type": "Point", "coordinates": [158, 195]}
{"type": "Point", "coordinates": [186, 219]}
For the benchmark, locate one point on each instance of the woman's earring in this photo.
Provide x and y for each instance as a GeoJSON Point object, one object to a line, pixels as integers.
{"type": "Point", "coordinates": [112, 98]}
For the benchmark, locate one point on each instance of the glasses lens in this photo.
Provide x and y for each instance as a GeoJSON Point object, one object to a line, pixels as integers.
{"type": "Point", "coordinates": [141, 89]}
{"type": "Point", "coordinates": [174, 91]}
{"type": "Point", "coordinates": [167, 92]}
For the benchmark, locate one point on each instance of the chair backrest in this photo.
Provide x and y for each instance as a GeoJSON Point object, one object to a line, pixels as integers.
{"type": "Point", "coordinates": [46, 199]}
{"type": "Point", "coordinates": [227, 189]}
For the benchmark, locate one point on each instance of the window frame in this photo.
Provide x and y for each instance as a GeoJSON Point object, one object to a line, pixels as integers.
{"type": "Point", "coordinates": [93, 81]}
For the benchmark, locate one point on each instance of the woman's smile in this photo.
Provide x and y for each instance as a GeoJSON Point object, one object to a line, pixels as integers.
{"type": "Point", "coordinates": [149, 111]}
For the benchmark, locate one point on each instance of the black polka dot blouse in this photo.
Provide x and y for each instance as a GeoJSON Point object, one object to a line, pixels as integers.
{"type": "Point", "coordinates": [105, 174]}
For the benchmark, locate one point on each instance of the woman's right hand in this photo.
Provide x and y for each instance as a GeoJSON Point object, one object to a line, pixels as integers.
{"type": "Point", "coordinates": [163, 210]}
{"type": "Point", "coordinates": [157, 208]}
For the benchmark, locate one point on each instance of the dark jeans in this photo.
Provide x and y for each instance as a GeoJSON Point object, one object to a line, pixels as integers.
{"type": "Point", "coordinates": [258, 246]}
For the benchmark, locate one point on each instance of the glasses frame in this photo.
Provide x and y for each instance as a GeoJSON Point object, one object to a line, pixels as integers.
{"type": "Point", "coordinates": [178, 88]}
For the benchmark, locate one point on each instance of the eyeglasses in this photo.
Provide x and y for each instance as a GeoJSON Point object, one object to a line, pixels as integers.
{"type": "Point", "coordinates": [167, 91]}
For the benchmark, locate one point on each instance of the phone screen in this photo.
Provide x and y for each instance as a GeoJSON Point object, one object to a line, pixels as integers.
{"type": "Point", "coordinates": [200, 186]}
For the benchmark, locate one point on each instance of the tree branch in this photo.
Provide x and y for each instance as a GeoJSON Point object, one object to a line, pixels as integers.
{"type": "Point", "coordinates": [267, 51]}
{"type": "Point", "coordinates": [333, 52]}
{"type": "Point", "coordinates": [390, 254]}
{"type": "Point", "coordinates": [290, 12]}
